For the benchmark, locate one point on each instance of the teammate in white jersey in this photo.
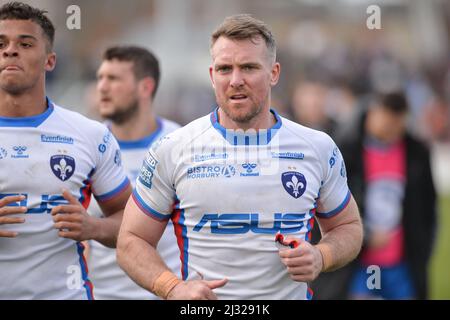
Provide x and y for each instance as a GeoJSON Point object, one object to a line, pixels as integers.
{"type": "Point", "coordinates": [239, 177]}
{"type": "Point", "coordinates": [127, 81]}
{"type": "Point", "coordinates": [51, 161]}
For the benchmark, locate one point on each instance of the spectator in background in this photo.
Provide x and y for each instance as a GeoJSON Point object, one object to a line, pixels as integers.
{"type": "Point", "coordinates": [327, 109]}
{"type": "Point", "coordinates": [435, 120]}
{"type": "Point", "coordinates": [308, 106]}
{"type": "Point", "coordinates": [389, 173]}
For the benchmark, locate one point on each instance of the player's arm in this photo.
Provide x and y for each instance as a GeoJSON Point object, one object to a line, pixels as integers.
{"type": "Point", "coordinates": [138, 257]}
{"type": "Point", "coordinates": [6, 210]}
{"type": "Point", "coordinates": [342, 237]}
{"type": "Point", "coordinates": [341, 242]}
{"type": "Point", "coordinates": [73, 221]}
{"type": "Point", "coordinates": [107, 229]}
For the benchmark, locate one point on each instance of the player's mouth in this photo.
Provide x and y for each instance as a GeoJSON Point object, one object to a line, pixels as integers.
{"type": "Point", "coordinates": [238, 97]}
{"type": "Point", "coordinates": [11, 68]}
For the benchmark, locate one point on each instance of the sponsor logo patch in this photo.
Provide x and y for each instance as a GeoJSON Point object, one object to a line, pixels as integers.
{"type": "Point", "coordinates": [19, 152]}
{"type": "Point", "coordinates": [56, 139]}
{"type": "Point", "coordinates": [147, 171]}
{"type": "Point", "coordinates": [210, 156]}
{"type": "Point", "coordinates": [3, 153]}
{"type": "Point", "coordinates": [250, 170]}
{"type": "Point", "coordinates": [288, 155]}
{"type": "Point", "coordinates": [211, 171]}
{"type": "Point", "coordinates": [118, 158]}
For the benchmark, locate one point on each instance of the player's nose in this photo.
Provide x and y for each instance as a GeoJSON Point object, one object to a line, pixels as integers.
{"type": "Point", "coordinates": [237, 79]}
{"type": "Point", "coordinates": [10, 51]}
{"type": "Point", "coordinates": [102, 86]}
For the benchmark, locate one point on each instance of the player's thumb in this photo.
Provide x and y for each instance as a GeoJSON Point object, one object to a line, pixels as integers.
{"type": "Point", "coordinates": [213, 284]}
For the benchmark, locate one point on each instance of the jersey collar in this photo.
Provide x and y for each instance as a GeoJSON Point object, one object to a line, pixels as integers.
{"type": "Point", "coordinates": [33, 121]}
{"type": "Point", "coordinates": [144, 142]}
{"type": "Point", "coordinates": [239, 137]}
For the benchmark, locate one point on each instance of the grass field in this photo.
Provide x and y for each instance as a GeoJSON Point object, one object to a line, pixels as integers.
{"type": "Point", "coordinates": [440, 263]}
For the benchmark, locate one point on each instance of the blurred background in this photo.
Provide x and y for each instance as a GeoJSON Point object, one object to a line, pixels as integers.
{"type": "Point", "coordinates": [330, 62]}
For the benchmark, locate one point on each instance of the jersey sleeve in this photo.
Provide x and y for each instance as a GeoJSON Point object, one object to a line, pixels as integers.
{"type": "Point", "coordinates": [154, 193]}
{"type": "Point", "coordinates": [334, 193]}
{"type": "Point", "coordinates": [109, 178]}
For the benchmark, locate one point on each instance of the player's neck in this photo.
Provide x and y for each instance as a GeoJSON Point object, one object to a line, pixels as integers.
{"type": "Point", "coordinates": [24, 105]}
{"type": "Point", "coordinates": [138, 127]}
{"type": "Point", "coordinates": [265, 120]}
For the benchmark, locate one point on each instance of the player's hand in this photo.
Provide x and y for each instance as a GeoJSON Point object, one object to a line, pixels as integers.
{"type": "Point", "coordinates": [303, 263]}
{"type": "Point", "coordinates": [6, 211]}
{"type": "Point", "coordinates": [196, 290]}
{"type": "Point", "coordinates": [72, 220]}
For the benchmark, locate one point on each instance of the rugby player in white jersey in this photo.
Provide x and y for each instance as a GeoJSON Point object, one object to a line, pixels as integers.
{"type": "Point", "coordinates": [238, 177]}
{"type": "Point", "coordinates": [52, 160]}
{"type": "Point", "coordinates": [127, 81]}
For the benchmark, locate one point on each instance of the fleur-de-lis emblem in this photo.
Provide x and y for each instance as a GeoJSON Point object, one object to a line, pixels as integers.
{"type": "Point", "coordinates": [62, 166]}
{"type": "Point", "coordinates": [294, 183]}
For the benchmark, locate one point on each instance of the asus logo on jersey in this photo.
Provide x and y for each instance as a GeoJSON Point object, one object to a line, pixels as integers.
{"type": "Point", "coordinates": [48, 202]}
{"type": "Point", "coordinates": [239, 223]}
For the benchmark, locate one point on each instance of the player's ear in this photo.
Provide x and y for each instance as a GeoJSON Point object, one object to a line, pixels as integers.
{"type": "Point", "coordinates": [50, 61]}
{"type": "Point", "coordinates": [211, 76]}
{"type": "Point", "coordinates": [146, 87]}
{"type": "Point", "coordinates": [275, 74]}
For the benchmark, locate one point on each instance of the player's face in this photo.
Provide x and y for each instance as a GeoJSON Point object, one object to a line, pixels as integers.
{"type": "Point", "coordinates": [23, 56]}
{"type": "Point", "coordinates": [242, 74]}
{"type": "Point", "coordinates": [117, 90]}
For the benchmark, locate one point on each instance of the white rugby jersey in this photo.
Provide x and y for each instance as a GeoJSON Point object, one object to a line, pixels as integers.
{"type": "Point", "coordinates": [110, 281]}
{"type": "Point", "coordinates": [234, 191]}
{"type": "Point", "coordinates": [39, 156]}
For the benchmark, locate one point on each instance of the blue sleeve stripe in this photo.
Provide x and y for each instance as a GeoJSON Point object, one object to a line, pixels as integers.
{"type": "Point", "coordinates": [145, 208]}
{"type": "Point", "coordinates": [338, 210]}
{"type": "Point", "coordinates": [108, 196]}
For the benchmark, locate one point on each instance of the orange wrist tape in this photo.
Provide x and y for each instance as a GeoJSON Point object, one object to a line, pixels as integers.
{"type": "Point", "coordinates": [327, 258]}
{"type": "Point", "coordinates": [165, 282]}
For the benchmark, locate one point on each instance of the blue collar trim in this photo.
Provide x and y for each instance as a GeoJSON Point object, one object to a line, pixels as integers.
{"type": "Point", "coordinates": [144, 142]}
{"type": "Point", "coordinates": [241, 138]}
{"type": "Point", "coordinates": [33, 121]}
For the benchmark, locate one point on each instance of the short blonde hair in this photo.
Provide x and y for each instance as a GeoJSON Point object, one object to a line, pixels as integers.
{"type": "Point", "coordinates": [242, 27]}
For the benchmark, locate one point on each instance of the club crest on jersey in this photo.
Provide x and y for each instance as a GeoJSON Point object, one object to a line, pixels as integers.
{"type": "Point", "coordinates": [62, 166]}
{"type": "Point", "coordinates": [294, 183]}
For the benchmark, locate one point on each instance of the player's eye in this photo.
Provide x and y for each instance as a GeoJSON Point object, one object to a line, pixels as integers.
{"type": "Point", "coordinates": [223, 69]}
{"type": "Point", "coordinates": [26, 45]}
{"type": "Point", "coordinates": [249, 67]}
